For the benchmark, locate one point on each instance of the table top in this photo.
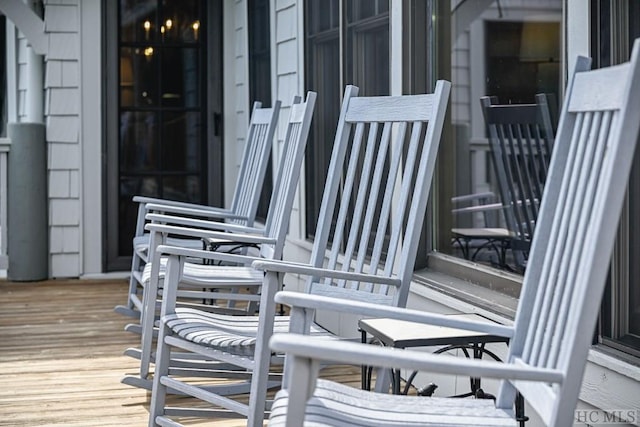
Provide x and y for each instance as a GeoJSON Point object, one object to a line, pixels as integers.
{"type": "Point", "coordinates": [483, 232]}
{"type": "Point", "coordinates": [401, 334]}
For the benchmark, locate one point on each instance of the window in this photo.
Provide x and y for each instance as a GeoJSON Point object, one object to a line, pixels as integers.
{"type": "Point", "coordinates": [260, 79]}
{"type": "Point", "coordinates": [510, 50]}
{"type": "Point", "coordinates": [347, 42]}
{"type": "Point", "coordinates": [617, 24]}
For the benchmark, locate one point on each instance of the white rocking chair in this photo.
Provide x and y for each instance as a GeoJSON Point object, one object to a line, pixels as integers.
{"type": "Point", "coordinates": [365, 245]}
{"type": "Point", "coordinates": [559, 303]}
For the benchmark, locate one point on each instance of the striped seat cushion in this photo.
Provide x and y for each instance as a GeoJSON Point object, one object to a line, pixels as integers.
{"type": "Point", "coordinates": [200, 274]}
{"type": "Point", "coordinates": [231, 334]}
{"type": "Point", "coordinates": [336, 404]}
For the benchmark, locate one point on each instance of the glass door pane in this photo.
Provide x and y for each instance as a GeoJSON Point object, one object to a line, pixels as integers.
{"type": "Point", "coordinates": [161, 107]}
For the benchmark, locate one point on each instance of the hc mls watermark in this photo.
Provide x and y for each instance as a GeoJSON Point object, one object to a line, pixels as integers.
{"type": "Point", "coordinates": [608, 416]}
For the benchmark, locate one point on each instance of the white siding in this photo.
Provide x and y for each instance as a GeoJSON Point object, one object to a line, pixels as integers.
{"type": "Point", "coordinates": [287, 39]}
{"type": "Point", "coordinates": [236, 90]}
{"type": "Point", "coordinates": [62, 110]}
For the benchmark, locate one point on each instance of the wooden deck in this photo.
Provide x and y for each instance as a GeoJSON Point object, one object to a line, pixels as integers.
{"type": "Point", "coordinates": [61, 357]}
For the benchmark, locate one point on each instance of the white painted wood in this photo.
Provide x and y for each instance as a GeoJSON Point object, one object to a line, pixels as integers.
{"type": "Point", "coordinates": [28, 23]}
{"type": "Point", "coordinates": [607, 96]}
{"type": "Point", "coordinates": [404, 109]}
{"type": "Point", "coordinates": [605, 388]}
{"type": "Point", "coordinates": [562, 288]}
{"type": "Point", "coordinates": [578, 35]}
{"type": "Point", "coordinates": [35, 91]}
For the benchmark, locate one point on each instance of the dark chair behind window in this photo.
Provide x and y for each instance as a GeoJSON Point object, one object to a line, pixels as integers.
{"type": "Point", "coordinates": [521, 141]}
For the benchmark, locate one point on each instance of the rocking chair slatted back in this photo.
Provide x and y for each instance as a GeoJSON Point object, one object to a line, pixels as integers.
{"type": "Point", "coordinates": [255, 159]}
{"type": "Point", "coordinates": [277, 222]}
{"type": "Point", "coordinates": [571, 249]}
{"type": "Point", "coordinates": [376, 193]}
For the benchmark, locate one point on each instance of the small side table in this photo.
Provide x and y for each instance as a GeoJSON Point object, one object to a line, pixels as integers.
{"type": "Point", "coordinates": [403, 334]}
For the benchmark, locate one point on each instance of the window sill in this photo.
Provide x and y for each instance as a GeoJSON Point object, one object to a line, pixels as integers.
{"type": "Point", "coordinates": [464, 296]}
{"type": "Point", "coordinates": [473, 284]}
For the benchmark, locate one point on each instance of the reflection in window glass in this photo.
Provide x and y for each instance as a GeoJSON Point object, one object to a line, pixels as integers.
{"type": "Point", "coordinates": [138, 133]}
{"type": "Point", "coordinates": [138, 20]}
{"type": "Point", "coordinates": [162, 146]}
{"type": "Point", "coordinates": [259, 56]}
{"type": "Point", "coordinates": [180, 78]}
{"type": "Point", "coordinates": [138, 77]}
{"type": "Point", "coordinates": [365, 64]}
{"type": "Point", "coordinates": [182, 136]}
{"type": "Point", "coordinates": [509, 50]}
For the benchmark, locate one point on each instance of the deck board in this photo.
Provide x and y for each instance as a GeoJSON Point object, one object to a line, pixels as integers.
{"type": "Point", "coordinates": [61, 357]}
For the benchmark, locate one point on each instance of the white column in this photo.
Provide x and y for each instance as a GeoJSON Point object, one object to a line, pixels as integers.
{"type": "Point", "coordinates": [35, 76]}
{"type": "Point", "coordinates": [35, 85]}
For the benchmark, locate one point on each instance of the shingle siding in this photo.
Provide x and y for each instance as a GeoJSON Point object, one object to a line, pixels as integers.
{"type": "Point", "coordinates": [63, 110]}
{"type": "Point", "coordinates": [240, 78]}
{"type": "Point", "coordinates": [286, 24]}
{"type": "Point", "coordinates": [61, 18]}
{"type": "Point", "coordinates": [65, 265]}
{"type": "Point", "coordinates": [63, 102]}
{"type": "Point", "coordinates": [64, 156]}
{"type": "Point", "coordinates": [63, 46]}
{"type": "Point", "coordinates": [59, 184]}
{"type": "Point", "coordinates": [63, 128]}
{"type": "Point", "coordinates": [285, 51]}
{"type": "Point", "coordinates": [64, 212]}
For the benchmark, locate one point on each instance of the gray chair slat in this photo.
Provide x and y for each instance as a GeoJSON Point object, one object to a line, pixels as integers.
{"type": "Point", "coordinates": [363, 189]}
{"type": "Point", "coordinates": [374, 191]}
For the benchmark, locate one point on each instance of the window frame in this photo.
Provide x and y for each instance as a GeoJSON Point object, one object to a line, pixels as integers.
{"type": "Point", "coordinates": [611, 41]}
{"type": "Point", "coordinates": [323, 31]}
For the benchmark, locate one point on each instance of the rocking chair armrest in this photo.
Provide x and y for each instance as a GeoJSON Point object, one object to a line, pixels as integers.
{"type": "Point", "coordinates": [210, 234]}
{"type": "Point", "coordinates": [203, 254]}
{"type": "Point", "coordinates": [308, 270]}
{"type": "Point", "coordinates": [371, 310]}
{"type": "Point", "coordinates": [196, 212]}
{"type": "Point", "coordinates": [202, 224]}
{"type": "Point", "coordinates": [315, 348]}
{"type": "Point", "coordinates": [167, 202]}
